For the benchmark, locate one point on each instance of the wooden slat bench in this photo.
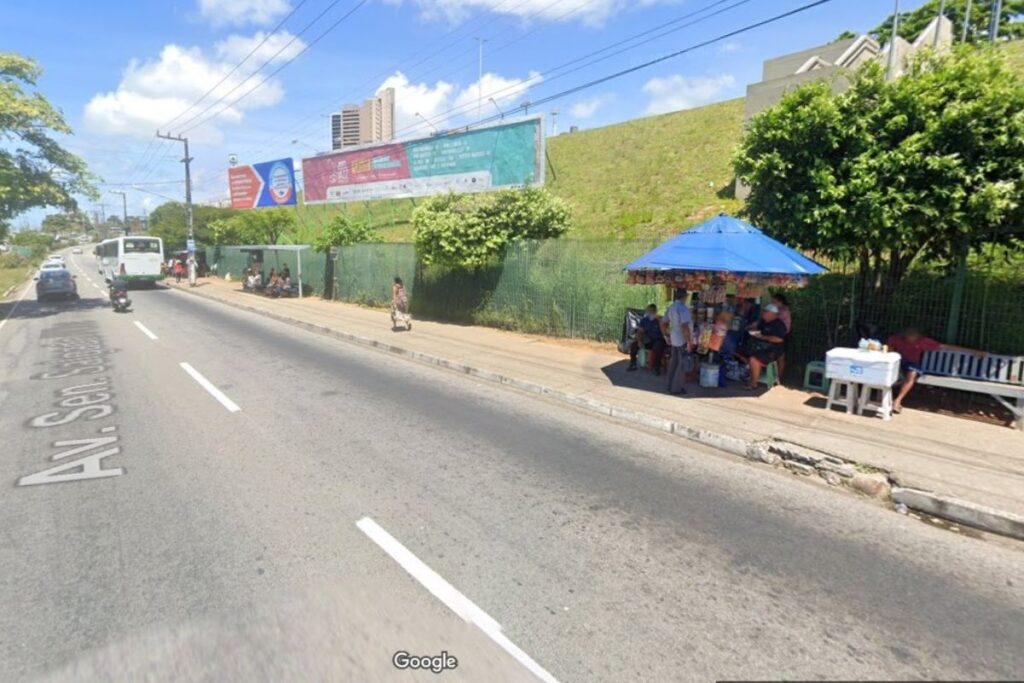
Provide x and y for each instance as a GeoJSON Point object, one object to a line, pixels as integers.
{"type": "Point", "coordinates": [1001, 377]}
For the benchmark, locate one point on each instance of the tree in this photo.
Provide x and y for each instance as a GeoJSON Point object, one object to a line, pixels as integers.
{"type": "Point", "coordinates": [69, 222]}
{"type": "Point", "coordinates": [891, 172]}
{"type": "Point", "coordinates": [342, 232]}
{"type": "Point", "coordinates": [470, 230]}
{"type": "Point", "coordinates": [35, 171]}
{"type": "Point", "coordinates": [913, 22]}
{"type": "Point", "coordinates": [169, 222]}
{"type": "Point", "coordinates": [38, 242]}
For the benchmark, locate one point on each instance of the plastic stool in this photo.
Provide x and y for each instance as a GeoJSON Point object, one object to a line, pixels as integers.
{"type": "Point", "coordinates": [770, 376]}
{"type": "Point", "coordinates": [816, 367]}
{"type": "Point", "coordinates": [883, 406]}
{"type": "Point", "coordinates": [837, 397]}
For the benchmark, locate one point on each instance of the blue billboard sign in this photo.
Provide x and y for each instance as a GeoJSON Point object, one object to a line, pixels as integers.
{"type": "Point", "coordinates": [271, 183]}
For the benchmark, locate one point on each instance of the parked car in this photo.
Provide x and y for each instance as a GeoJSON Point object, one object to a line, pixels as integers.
{"type": "Point", "coordinates": [55, 282]}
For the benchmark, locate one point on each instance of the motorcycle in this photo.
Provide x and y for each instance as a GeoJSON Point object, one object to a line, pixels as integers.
{"type": "Point", "coordinates": [119, 299]}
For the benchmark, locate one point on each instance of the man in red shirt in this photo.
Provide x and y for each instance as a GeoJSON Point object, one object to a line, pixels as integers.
{"type": "Point", "coordinates": [911, 345]}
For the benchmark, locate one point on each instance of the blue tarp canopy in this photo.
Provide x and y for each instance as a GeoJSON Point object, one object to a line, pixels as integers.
{"type": "Point", "coordinates": [726, 244]}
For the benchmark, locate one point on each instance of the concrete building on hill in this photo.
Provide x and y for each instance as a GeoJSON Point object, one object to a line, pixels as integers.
{"type": "Point", "coordinates": [364, 124]}
{"type": "Point", "coordinates": [830, 62]}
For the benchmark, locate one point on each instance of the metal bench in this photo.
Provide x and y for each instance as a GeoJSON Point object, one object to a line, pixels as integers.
{"type": "Point", "coordinates": [1001, 377]}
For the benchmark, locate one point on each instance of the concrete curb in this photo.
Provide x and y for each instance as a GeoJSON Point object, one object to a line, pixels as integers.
{"type": "Point", "coordinates": [834, 469]}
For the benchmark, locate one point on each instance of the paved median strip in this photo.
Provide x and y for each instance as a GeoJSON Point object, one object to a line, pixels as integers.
{"type": "Point", "coordinates": [449, 595]}
{"type": "Point", "coordinates": [209, 386]}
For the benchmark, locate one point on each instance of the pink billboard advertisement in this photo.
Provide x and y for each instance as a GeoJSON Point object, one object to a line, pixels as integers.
{"type": "Point", "coordinates": [510, 154]}
{"type": "Point", "coordinates": [378, 164]}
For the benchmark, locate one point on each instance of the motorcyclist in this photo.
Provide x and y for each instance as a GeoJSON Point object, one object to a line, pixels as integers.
{"type": "Point", "coordinates": [118, 287]}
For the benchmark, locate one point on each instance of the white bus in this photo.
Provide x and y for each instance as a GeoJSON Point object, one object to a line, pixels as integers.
{"type": "Point", "coordinates": [131, 258]}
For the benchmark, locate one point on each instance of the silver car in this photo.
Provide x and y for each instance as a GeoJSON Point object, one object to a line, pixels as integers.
{"type": "Point", "coordinates": [53, 283]}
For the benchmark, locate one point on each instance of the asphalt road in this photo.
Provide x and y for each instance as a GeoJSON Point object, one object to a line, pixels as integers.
{"type": "Point", "coordinates": [214, 537]}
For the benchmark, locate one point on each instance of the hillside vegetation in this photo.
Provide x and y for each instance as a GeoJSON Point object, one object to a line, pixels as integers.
{"type": "Point", "coordinates": [644, 178]}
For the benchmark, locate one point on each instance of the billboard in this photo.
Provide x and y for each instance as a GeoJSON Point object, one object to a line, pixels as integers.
{"type": "Point", "coordinates": [505, 155]}
{"type": "Point", "coordinates": [271, 183]}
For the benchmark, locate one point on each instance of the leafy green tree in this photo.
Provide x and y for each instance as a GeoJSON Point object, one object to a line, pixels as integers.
{"type": "Point", "coordinates": [471, 230]}
{"type": "Point", "coordinates": [342, 231]}
{"type": "Point", "coordinates": [890, 172]}
{"type": "Point", "coordinates": [913, 22]}
{"type": "Point", "coordinates": [35, 171]}
{"type": "Point", "coordinates": [39, 242]}
{"type": "Point", "coordinates": [69, 222]}
{"type": "Point", "coordinates": [169, 222]}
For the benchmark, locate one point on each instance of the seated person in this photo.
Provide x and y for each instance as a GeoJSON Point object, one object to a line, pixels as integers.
{"type": "Point", "coordinates": [649, 334]}
{"type": "Point", "coordinates": [766, 343]}
{"type": "Point", "coordinates": [249, 283]}
{"type": "Point", "coordinates": [284, 283]}
{"type": "Point", "coordinates": [911, 345]}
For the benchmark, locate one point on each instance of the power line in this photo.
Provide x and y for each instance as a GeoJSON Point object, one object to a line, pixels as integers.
{"type": "Point", "coordinates": [552, 73]}
{"type": "Point", "coordinates": [275, 71]}
{"type": "Point", "coordinates": [664, 58]}
{"type": "Point", "coordinates": [239, 65]}
{"type": "Point", "coordinates": [306, 123]}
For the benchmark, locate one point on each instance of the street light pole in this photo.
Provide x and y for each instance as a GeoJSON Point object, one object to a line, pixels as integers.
{"type": "Point", "coordinates": [124, 208]}
{"type": "Point", "coordinates": [890, 69]}
{"type": "Point", "coordinates": [188, 204]}
{"type": "Point", "coordinates": [997, 15]}
{"type": "Point", "coordinates": [938, 25]}
{"type": "Point", "coordinates": [492, 101]}
{"type": "Point", "coordinates": [429, 123]}
{"type": "Point", "coordinates": [480, 78]}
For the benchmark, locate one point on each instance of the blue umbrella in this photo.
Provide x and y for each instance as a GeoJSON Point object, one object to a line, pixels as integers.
{"type": "Point", "coordinates": [727, 244]}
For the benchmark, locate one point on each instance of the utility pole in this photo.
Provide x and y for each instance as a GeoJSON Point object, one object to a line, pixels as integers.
{"type": "Point", "coordinates": [480, 79]}
{"type": "Point", "coordinates": [997, 15]}
{"type": "Point", "coordinates": [938, 24]}
{"type": "Point", "coordinates": [187, 160]}
{"type": "Point", "coordinates": [124, 207]}
{"type": "Point", "coordinates": [967, 20]}
{"type": "Point", "coordinates": [890, 70]}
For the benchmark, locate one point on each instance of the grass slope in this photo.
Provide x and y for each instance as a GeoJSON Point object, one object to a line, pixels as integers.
{"type": "Point", "coordinates": [648, 177]}
{"type": "Point", "coordinates": [644, 178]}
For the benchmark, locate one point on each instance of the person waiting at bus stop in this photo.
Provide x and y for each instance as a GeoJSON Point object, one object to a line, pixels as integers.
{"type": "Point", "coordinates": [649, 335]}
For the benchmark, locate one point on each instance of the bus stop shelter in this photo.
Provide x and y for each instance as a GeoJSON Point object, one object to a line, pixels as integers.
{"type": "Point", "coordinates": [297, 249]}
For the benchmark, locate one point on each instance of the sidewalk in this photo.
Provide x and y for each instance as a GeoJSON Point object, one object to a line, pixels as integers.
{"type": "Point", "coordinates": [958, 469]}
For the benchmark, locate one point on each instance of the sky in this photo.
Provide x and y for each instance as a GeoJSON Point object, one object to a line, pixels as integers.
{"type": "Point", "coordinates": [259, 78]}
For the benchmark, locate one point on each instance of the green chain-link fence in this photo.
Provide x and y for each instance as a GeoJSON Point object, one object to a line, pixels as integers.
{"type": "Point", "coordinates": [577, 289]}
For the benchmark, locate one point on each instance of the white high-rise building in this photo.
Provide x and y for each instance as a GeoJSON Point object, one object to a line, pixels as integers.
{"type": "Point", "coordinates": [371, 122]}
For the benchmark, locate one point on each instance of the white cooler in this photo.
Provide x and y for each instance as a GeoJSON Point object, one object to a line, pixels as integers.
{"type": "Point", "coordinates": [873, 368]}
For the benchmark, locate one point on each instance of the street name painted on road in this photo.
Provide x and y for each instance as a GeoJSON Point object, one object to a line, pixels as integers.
{"type": "Point", "coordinates": [79, 353]}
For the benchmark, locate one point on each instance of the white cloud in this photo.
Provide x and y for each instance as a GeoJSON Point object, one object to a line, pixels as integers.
{"type": "Point", "coordinates": [436, 101]}
{"type": "Point", "coordinates": [731, 47]}
{"type": "Point", "coordinates": [585, 109]}
{"type": "Point", "coordinates": [673, 93]}
{"type": "Point", "coordinates": [236, 47]}
{"type": "Point", "coordinates": [505, 91]}
{"type": "Point", "coordinates": [238, 12]}
{"type": "Point", "coordinates": [152, 92]}
{"type": "Point", "coordinates": [593, 12]}
{"type": "Point", "coordinates": [417, 98]}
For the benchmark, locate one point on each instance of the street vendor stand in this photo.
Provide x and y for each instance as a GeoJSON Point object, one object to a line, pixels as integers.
{"type": "Point", "coordinates": [722, 257]}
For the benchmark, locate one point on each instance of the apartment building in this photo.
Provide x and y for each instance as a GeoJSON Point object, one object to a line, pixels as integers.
{"type": "Point", "coordinates": [364, 124]}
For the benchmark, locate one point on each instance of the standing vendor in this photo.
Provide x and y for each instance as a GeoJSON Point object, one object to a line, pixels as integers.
{"type": "Point", "coordinates": [679, 325]}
